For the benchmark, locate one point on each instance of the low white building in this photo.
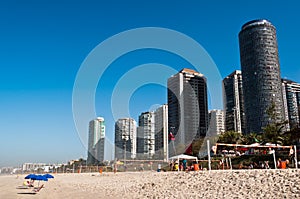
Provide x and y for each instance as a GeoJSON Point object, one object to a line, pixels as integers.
{"type": "Point", "coordinates": [32, 166]}
{"type": "Point", "coordinates": [216, 122]}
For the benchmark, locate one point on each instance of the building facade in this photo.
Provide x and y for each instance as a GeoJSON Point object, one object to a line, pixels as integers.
{"type": "Point", "coordinates": [125, 139]}
{"type": "Point", "coordinates": [216, 122]}
{"type": "Point", "coordinates": [146, 136]}
{"type": "Point", "coordinates": [96, 141]}
{"type": "Point", "coordinates": [161, 132]}
{"type": "Point", "coordinates": [261, 74]}
{"type": "Point", "coordinates": [187, 108]}
{"type": "Point", "coordinates": [291, 93]}
{"type": "Point", "coordinates": [233, 100]}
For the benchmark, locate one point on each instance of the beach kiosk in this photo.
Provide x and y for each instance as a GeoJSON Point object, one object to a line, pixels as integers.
{"type": "Point", "coordinates": [182, 157]}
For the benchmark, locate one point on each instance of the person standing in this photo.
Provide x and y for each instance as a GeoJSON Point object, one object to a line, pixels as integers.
{"type": "Point", "coordinates": [115, 167]}
{"type": "Point", "coordinates": [184, 164]}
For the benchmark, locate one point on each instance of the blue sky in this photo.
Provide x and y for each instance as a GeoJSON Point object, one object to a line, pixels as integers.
{"type": "Point", "coordinates": [43, 44]}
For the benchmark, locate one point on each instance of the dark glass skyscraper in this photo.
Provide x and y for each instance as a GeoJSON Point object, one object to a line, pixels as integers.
{"type": "Point", "coordinates": [261, 73]}
{"type": "Point", "coordinates": [291, 93]}
{"type": "Point", "coordinates": [234, 102]}
{"type": "Point", "coordinates": [187, 108]}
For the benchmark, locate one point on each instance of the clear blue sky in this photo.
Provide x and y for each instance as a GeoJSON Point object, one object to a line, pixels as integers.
{"type": "Point", "coordinates": [43, 44]}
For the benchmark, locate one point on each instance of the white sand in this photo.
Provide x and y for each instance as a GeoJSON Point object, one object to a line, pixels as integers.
{"type": "Point", "coordinates": [214, 184]}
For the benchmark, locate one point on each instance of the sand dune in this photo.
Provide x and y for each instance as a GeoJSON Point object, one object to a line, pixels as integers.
{"type": "Point", "coordinates": [202, 184]}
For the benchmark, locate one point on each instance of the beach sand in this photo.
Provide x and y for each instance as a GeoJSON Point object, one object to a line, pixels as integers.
{"type": "Point", "coordinates": [202, 184]}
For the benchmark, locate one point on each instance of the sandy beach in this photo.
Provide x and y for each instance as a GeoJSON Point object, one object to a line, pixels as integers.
{"type": "Point", "coordinates": [202, 184]}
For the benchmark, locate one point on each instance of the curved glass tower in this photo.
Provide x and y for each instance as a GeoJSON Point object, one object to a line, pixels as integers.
{"type": "Point", "coordinates": [261, 73]}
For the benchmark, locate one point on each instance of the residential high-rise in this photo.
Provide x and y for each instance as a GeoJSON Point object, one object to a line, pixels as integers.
{"type": "Point", "coordinates": [234, 102]}
{"type": "Point", "coordinates": [291, 93]}
{"type": "Point", "coordinates": [161, 132]}
{"type": "Point", "coordinates": [261, 74]}
{"type": "Point", "coordinates": [216, 122]}
{"type": "Point", "coordinates": [146, 136]}
{"type": "Point", "coordinates": [187, 108]}
{"type": "Point", "coordinates": [96, 141]}
{"type": "Point", "coordinates": [125, 138]}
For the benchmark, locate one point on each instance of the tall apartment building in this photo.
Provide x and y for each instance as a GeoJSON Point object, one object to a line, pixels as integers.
{"type": "Point", "coordinates": [187, 108]}
{"type": "Point", "coordinates": [234, 102]}
{"type": "Point", "coordinates": [96, 141]}
{"type": "Point", "coordinates": [291, 93]}
{"type": "Point", "coordinates": [146, 136]}
{"type": "Point", "coordinates": [125, 138]}
{"type": "Point", "coordinates": [216, 122]}
{"type": "Point", "coordinates": [261, 74]}
{"type": "Point", "coordinates": [161, 132]}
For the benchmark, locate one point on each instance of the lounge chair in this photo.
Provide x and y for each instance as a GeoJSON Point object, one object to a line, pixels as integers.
{"type": "Point", "coordinates": [38, 189]}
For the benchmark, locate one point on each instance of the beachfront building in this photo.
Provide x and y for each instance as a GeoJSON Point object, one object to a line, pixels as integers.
{"type": "Point", "coordinates": [161, 132]}
{"type": "Point", "coordinates": [261, 74]}
{"type": "Point", "coordinates": [187, 109]}
{"type": "Point", "coordinates": [216, 122]}
{"type": "Point", "coordinates": [233, 101]}
{"type": "Point", "coordinates": [32, 166]}
{"type": "Point", "coordinates": [96, 141]}
{"type": "Point", "coordinates": [291, 99]}
{"type": "Point", "coordinates": [125, 138]}
{"type": "Point", "coordinates": [146, 136]}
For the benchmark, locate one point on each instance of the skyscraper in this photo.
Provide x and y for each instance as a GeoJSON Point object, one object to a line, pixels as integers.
{"type": "Point", "coordinates": [125, 138]}
{"type": "Point", "coordinates": [261, 73]}
{"type": "Point", "coordinates": [96, 141]}
{"type": "Point", "coordinates": [146, 136]}
{"type": "Point", "coordinates": [161, 132]}
{"type": "Point", "coordinates": [187, 108]}
{"type": "Point", "coordinates": [216, 122]}
{"type": "Point", "coordinates": [234, 102]}
{"type": "Point", "coordinates": [291, 93]}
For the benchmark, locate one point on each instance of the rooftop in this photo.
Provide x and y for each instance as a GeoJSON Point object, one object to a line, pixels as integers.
{"type": "Point", "coordinates": [256, 22]}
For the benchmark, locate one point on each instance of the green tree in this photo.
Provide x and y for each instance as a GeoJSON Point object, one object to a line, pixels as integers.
{"type": "Point", "coordinates": [292, 136]}
{"type": "Point", "coordinates": [274, 131]}
{"type": "Point", "coordinates": [251, 138]}
{"type": "Point", "coordinates": [273, 134]}
{"type": "Point", "coordinates": [230, 137]}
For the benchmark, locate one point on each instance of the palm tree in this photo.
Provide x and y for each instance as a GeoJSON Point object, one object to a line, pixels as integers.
{"type": "Point", "coordinates": [273, 134]}
{"type": "Point", "coordinates": [292, 136]}
{"type": "Point", "coordinates": [230, 137]}
{"type": "Point", "coordinates": [274, 131]}
{"type": "Point", "coordinates": [251, 138]}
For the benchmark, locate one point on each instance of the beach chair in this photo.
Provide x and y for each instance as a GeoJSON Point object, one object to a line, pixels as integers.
{"type": "Point", "coordinates": [38, 189]}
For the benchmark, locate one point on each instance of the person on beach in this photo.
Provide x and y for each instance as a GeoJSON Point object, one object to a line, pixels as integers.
{"type": "Point", "coordinates": [180, 166]}
{"type": "Point", "coordinates": [251, 166]}
{"type": "Point", "coordinates": [267, 165]}
{"type": "Point", "coordinates": [279, 163]}
{"type": "Point", "coordinates": [141, 167]}
{"type": "Point", "coordinates": [262, 165]}
{"type": "Point", "coordinates": [176, 166]}
{"type": "Point", "coordinates": [115, 167]}
{"type": "Point", "coordinates": [287, 163]}
{"type": "Point", "coordinates": [171, 166]}
{"type": "Point", "coordinates": [184, 161]}
{"type": "Point", "coordinates": [241, 166]}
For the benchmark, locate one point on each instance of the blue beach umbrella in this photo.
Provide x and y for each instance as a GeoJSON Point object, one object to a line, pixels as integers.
{"type": "Point", "coordinates": [30, 176]}
{"type": "Point", "coordinates": [48, 175]}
